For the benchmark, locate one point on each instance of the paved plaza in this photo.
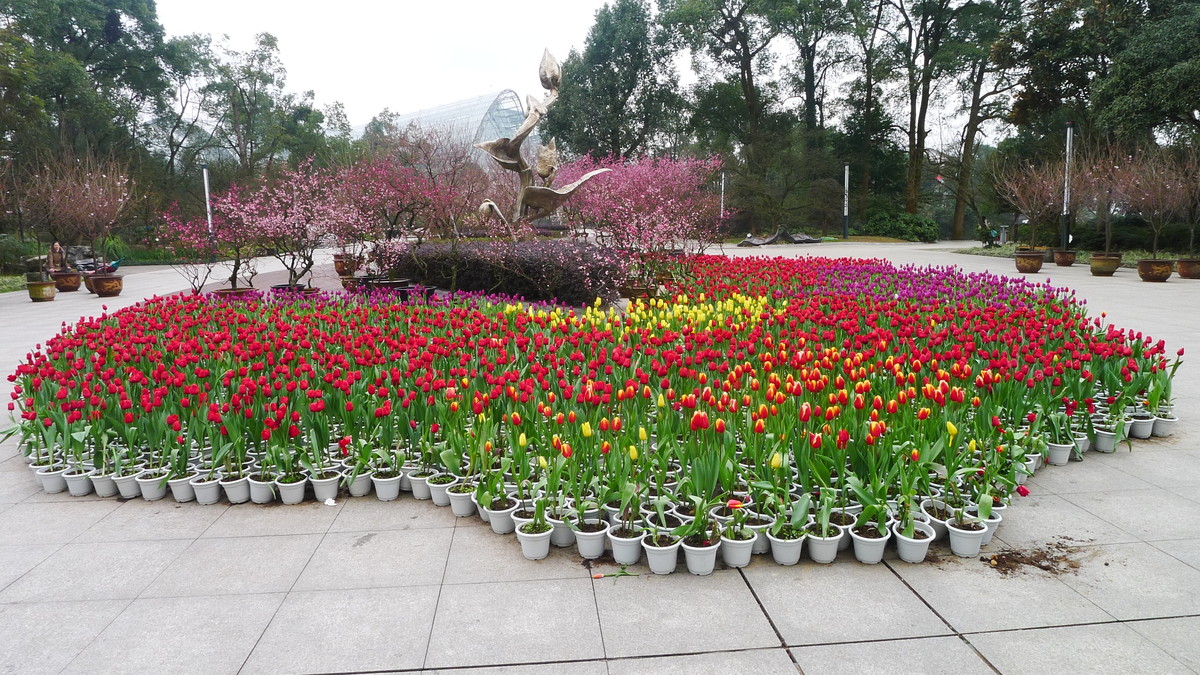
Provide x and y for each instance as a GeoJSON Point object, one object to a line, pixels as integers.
{"type": "Point", "coordinates": [90, 585]}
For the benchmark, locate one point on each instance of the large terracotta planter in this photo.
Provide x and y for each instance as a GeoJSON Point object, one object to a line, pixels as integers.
{"type": "Point", "coordinates": [1029, 262]}
{"type": "Point", "coordinates": [1105, 264]}
{"type": "Point", "coordinates": [66, 282]}
{"type": "Point", "coordinates": [635, 290]}
{"type": "Point", "coordinates": [1155, 270]}
{"type": "Point", "coordinates": [1064, 258]}
{"type": "Point", "coordinates": [234, 292]}
{"type": "Point", "coordinates": [345, 264]}
{"type": "Point", "coordinates": [41, 291]}
{"type": "Point", "coordinates": [1188, 268]}
{"type": "Point", "coordinates": [108, 285]}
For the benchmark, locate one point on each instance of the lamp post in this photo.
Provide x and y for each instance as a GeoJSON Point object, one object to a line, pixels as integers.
{"type": "Point", "coordinates": [208, 212]}
{"type": "Point", "coordinates": [1065, 229]}
{"type": "Point", "coordinates": [846, 205]}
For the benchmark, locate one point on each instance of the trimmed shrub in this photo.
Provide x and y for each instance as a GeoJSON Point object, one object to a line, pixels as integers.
{"type": "Point", "coordinates": [906, 226]}
{"type": "Point", "coordinates": [542, 270]}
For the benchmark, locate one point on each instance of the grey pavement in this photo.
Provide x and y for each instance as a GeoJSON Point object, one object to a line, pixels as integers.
{"type": "Point", "coordinates": [104, 585]}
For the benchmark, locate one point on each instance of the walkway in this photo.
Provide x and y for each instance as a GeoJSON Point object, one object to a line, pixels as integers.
{"type": "Point", "coordinates": [94, 586]}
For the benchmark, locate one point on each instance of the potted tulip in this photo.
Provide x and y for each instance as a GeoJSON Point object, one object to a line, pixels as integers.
{"type": "Point", "coordinates": [870, 532]}
{"type": "Point", "coordinates": [737, 541]}
{"type": "Point", "coordinates": [535, 534]}
{"type": "Point", "coordinates": [823, 536]}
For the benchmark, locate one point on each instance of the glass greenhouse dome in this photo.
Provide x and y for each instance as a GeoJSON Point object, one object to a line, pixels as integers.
{"type": "Point", "coordinates": [474, 120]}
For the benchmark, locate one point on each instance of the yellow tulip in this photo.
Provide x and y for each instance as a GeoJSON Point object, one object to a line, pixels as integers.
{"type": "Point", "coordinates": [642, 435]}
{"type": "Point", "coordinates": [542, 462]}
{"type": "Point", "coordinates": [951, 429]}
{"type": "Point", "coordinates": [633, 452]}
{"type": "Point", "coordinates": [587, 430]}
{"type": "Point", "coordinates": [662, 401]}
{"type": "Point", "coordinates": [776, 460]}
{"type": "Point", "coordinates": [971, 445]}
{"type": "Point", "coordinates": [522, 441]}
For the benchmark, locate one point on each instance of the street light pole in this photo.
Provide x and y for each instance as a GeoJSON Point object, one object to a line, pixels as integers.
{"type": "Point", "coordinates": [207, 200]}
{"type": "Point", "coordinates": [722, 195]}
{"type": "Point", "coordinates": [208, 211]}
{"type": "Point", "coordinates": [846, 205]}
{"type": "Point", "coordinates": [1065, 230]}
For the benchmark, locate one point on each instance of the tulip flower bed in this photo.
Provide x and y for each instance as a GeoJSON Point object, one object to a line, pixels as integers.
{"type": "Point", "coordinates": [763, 403]}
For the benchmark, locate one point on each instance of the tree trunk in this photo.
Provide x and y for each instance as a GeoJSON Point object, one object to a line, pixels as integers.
{"type": "Point", "coordinates": [966, 167]}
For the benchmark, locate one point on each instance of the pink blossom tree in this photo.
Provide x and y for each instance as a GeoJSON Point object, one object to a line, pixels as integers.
{"type": "Point", "coordinates": [293, 214]}
{"type": "Point", "coordinates": [390, 198]}
{"type": "Point", "coordinates": [192, 245]}
{"type": "Point", "coordinates": [645, 205]}
{"type": "Point", "coordinates": [80, 199]}
{"type": "Point", "coordinates": [1156, 187]}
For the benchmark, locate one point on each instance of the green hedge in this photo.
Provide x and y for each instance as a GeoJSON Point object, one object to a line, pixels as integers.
{"type": "Point", "coordinates": [541, 270]}
{"type": "Point", "coordinates": [906, 226]}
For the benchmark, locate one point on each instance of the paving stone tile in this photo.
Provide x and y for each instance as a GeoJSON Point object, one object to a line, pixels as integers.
{"type": "Point", "coordinates": [1039, 519]}
{"type": "Point", "coordinates": [308, 633]}
{"type": "Point", "coordinates": [203, 635]}
{"type": "Point", "coordinates": [15, 561]}
{"type": "Point", "coordinates": [51, 523]}
{"type": "Point", "coordinates": [689, 613]}
{"type": "Point", "coordinates": [1175, 469]}
{"type": "Point", "coordinates": [138, 519]}
{"type": "Point", "coordinates": [1090, 475]}
{"type": "Point", "coordinates": [514, 623]}
{"type": "Point", "coordinates": [236, 565]}
{"type": "Point", "coordinates": [1189, 493]}
{"type": "Point", "coordinates": [1183, 550]}
{"type": "Point", "coordinates": [814, 604]}
{"type": "Point", "coordinates": [478, 555]}
{"type": "Point", "coordinates": [361, 514]}
{"type": "Point", "coordinates": [43, 637]}
{"type": "Point", "coordinates": [98, 571]}
{"type": "Point", "coordinates": [256, 520]}
{"type": "Point", "coordinates": [568, 668]}
{"type": "Point", "coordinates": [922, 656]}
{"type": "Point", "coordinates": [1175, 636]}
{"type": "Point", "coordinates": [972, 596]}
{"type": "Point", "coordinates": [17, 484]}
{"type": "Point", "coordinates": [377, 559]}
{"type": "Point", "coordinates": [40, 497]}
{"type": "Point", "coordinates": [719, 663]}
{"type": "Point", "coordinates": [1137, 581]}
{"type": "Point", "coordinates": [1094, 649]}
{"type": "Point", "coordinates": [1150, 515]}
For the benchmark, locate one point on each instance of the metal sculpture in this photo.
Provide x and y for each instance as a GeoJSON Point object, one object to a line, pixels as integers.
{"type": "Point", "coordinates": [534, 201]}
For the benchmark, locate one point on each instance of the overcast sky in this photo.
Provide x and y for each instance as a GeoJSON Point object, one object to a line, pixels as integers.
{"type": "Point", "coordinates": [399, 54]}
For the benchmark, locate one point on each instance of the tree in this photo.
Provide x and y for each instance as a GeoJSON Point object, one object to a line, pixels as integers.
{"type": "Point", "coordinates": [1035, 190]}
{"type": "Point", "coordinates": [923, 43]}
{"type": "Point", "coordinates": [867, 125]}
{"type": "Point", "coordinates": [79, 200]}
{"type": "Point", "coordinates": [392, 200]}
{"type": "Point", "coordinates": [811, 24]}
{"type": "Point", "coordinates": [984, 87]}
{"type": "Point", "coordinates": [1062, 49]}
{"type": "Point", "coordinates": [621, 91]}
{"type": "Point", "coordinates": [243, 102]}
{"type": "Point", "coordinates": [293, 213]}
{"type": "Point", "coordinates": [1156, 188]}
{"type": "Point", "coordinates": [736, 34]}
{"type": "Point", "coordinates": [1154, 81]}
{"type": "Point", "coordinates": [95, 58]}
{"type": "Point", "coordinates": [645, 205]}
